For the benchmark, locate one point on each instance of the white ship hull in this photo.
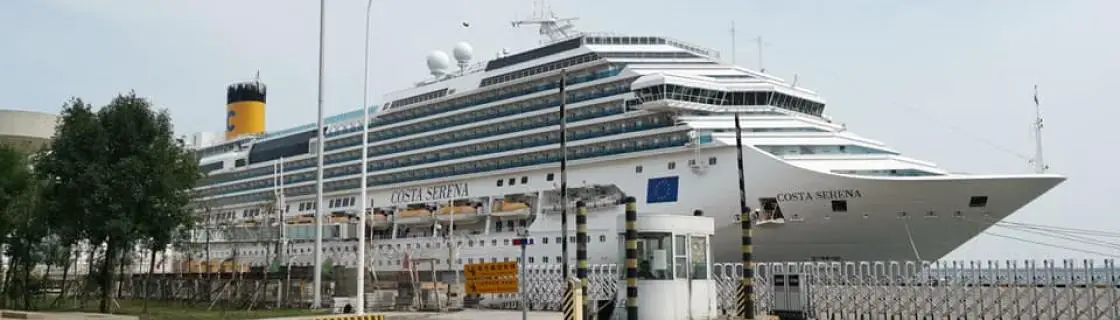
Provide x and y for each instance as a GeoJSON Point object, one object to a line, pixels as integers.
{"type": "Point", "coordinates": [872, 229]}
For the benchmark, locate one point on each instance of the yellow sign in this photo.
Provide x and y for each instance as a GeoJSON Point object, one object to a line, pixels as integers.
{"type": "Point", "coordinates": [494, 277]}
{"type": "Point", "coordinates": [491, 270]}
{"type": "Point", "coordinates": [477, 286]}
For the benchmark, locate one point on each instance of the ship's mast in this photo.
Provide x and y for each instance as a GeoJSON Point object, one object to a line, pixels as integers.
{"type": "Point", "coordinates": [1039, 163]}
{"type": "Point", "coordinates": [551, 26]}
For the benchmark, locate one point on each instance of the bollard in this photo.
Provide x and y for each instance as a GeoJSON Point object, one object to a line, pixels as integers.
{"type": "Point", "coordinates": [631, 258]}
{"type": "Point", "coordinates": [745, 301]}
{"type": "Point", "coordinates": [573, 300]}
{"type": "Point", "coordinates": [581, 251]}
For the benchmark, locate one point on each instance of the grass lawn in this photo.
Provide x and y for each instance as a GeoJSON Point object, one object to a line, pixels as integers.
{"type": "Point", "coordinates": [164, 310]}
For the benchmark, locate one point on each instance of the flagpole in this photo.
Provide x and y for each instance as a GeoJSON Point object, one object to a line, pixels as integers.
{"type": "Point", "coordinates": [1039, 162]}
{"type": "Point", "coordinates": [317, 300]}
{"type": "Point", "coordinates": [364, 198]}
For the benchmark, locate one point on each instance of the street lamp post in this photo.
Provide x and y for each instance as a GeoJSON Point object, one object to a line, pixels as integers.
{"type": "Point", "coordinates": [364, 198]}
{"type": "Point", "coordinates": [317, 300]}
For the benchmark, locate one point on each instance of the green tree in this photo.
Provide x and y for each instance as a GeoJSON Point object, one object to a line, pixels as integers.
{"type": "Point", "coordinates": [18, 205]}
{"type": "Point", "coordinates": [74, 169]}
{"type": "Point", "coordinates": [117, 177]}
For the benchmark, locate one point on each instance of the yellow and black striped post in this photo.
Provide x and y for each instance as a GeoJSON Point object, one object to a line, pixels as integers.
{"type": "Point", "coordinates": [631, 258]}
{"type": "Point", "coordinates": [581, 251]}
{"type": "Point", "coordinates": [744, 298]}
{"type": "Point", "coordinates": [573, 300]}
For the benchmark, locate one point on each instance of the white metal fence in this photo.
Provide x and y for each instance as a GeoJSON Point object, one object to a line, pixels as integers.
{"type": "Point", "coordinates": [1064, 289]}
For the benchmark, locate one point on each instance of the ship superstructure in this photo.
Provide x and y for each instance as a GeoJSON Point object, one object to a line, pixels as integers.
{"type": "Point", "coordinates": [463, 160]}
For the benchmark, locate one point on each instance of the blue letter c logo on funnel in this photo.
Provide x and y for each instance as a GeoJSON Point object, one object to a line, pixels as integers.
{"type": "Point", "coordinates": [229, 120]}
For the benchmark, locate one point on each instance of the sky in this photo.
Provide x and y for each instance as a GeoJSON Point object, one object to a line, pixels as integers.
{"type": "Point", "coordinates": [946, 81]}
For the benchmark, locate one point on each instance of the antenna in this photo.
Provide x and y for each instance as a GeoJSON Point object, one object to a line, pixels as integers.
{"type": "Point", "coordinates": [1039, 163]}
{"type": "Point", "coordinates": [760, 67]}
{"type": "Point", "coordinates": [551, 25]}
{"type": "Point", "coordinates": [732, 41]}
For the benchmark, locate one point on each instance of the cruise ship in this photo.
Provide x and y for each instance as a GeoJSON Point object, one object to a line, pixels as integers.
{"type": "Point", "coordinates": [464, 160]}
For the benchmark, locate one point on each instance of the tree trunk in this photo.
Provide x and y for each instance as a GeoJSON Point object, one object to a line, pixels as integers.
{"type": "Point", "coordinates": [12, 263]}
{"type": "Point", "coordinates": [65, 274]}
{"type": "Point", "coordinates": [151, 269]}
{"type": "Point", "coordinates": [120, 272]}
{"type": "Point", "coordinates": [107, 277]}
{"type": "Point", "coordinates": [27, 280]}
{"type": "Point", "coordinates": [89, 275]}
{"type": "Point", "coordinates": [46, 281]}
{"type": "Point", "coordinates": [3, 284]}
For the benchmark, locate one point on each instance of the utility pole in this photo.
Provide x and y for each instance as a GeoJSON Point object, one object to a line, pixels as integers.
{"type": "Point", "coordinates": [746, 285]}
{"type": "Point", "coordinates": [564, 172]}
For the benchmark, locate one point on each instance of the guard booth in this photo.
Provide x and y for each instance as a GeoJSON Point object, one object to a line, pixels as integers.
{"type": "Point", "coordinates": [674, 267]}
{"type": "Point", "coordinates": [791, 291]}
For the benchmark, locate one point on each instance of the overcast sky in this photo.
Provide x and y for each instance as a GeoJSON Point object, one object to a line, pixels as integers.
{"type": "Point", "coordinates": [947, 81]}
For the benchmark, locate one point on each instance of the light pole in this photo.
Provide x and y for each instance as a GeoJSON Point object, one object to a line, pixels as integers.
{"type": "Point", "coordinates": [317, 300]}
{"type": "Point", "coordinates": [364, 198]}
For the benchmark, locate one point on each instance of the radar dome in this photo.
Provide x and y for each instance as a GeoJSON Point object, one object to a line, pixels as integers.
{"type": "Point", "coordinates": [463, 52]}
{"type": "Point", "coordinates": [438, 62]}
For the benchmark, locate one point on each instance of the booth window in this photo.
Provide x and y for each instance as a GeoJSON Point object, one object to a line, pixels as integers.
{"type": "Point", "coordinates": [654, 256]}
{"type": "Point", "coordinates": [699, 258]}
{"type": "Point", "coordinates": [680, 256]}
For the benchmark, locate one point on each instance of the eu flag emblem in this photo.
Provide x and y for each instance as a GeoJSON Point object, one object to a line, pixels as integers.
{"type": "Point", "coordinates": [662, 189]}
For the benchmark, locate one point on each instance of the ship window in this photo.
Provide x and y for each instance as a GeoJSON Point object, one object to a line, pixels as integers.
{"type": "Point", "coordinates": [531, 259]}
{"type": "Point", "coordinates": [512, 181]}
{"type": "Point", "coordinates": [712, 161]}
{"type": "Point", "coordinates": [549, 177]}
{"type": "Point", "coordinates": [638, 169]}
{"type": "Point", "coordinates": [672, 165]}
{"type": "Point", "coordinates": [839, 206]}
{"type": "Point", "coordinates": [544, 240]}
{"type": "Point", "coordinates": [500, 182]}
{"type": "Point", "coordinates": [524, 180]}
{"type": "Point", "coordinates": [602, 238]}
{"type": "Point", "coordinates": [544, 259]}
{"type": "Point", "coordinates": [978, 202]}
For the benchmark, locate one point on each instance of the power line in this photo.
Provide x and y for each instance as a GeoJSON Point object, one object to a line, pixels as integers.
{"type": "Point", "coordinates": [1052, 245]}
